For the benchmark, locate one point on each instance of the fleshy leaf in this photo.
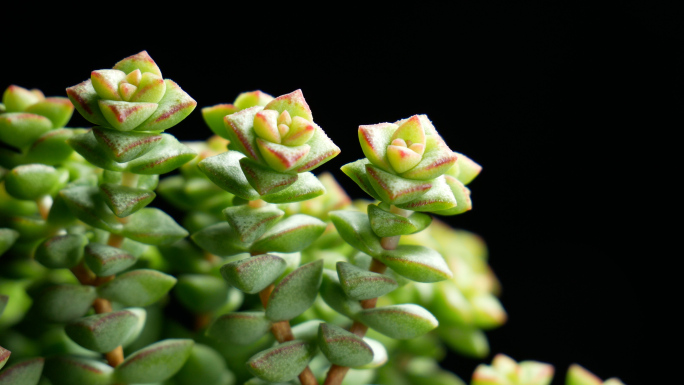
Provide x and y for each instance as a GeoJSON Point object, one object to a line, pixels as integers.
{"type": "Point", "coordinates": [219, 239]}
{"type": "Point", "coordinates": [242, 328]}
{"type": "Point", "coordinates": [201, 293]}
{"type": "Point", "coordinates": [343, 348]}
{"type": "Point", "coordinates": [394, 189]}
{"type": "Point", "coordinates": [466, 341]}
{"type": "Point", "coordinates": [333, 295]}
{"type": "Point", "coordinates": [282, 158]}
{"type": "Point", "coordinates": [451, 306]}
{"type": "Point", "coordinates": [294, 233]}
{"type": "Point", "coordinates": [84, 98]}
{"type": "Point", "coordinates": [488, 311]}
{"type": "Point", "coordinates": [306, 187]}
{"type": "Point", "coordinates": [152, 226]}
{"type": "Point", "coordinates": [23, 373]}
{"type": "Point", "coordinates": [293, 103]}
{"type": "Point", "coordinates": [20, 129]}
{"type": "Point", "coordinates": [124, 200]}
{"type": "Point", "coordinates": [106, 260]}
{"type": "Point", "coordinates": [125, 146]}
{"type": "Point", "coordinates": [250, 223]}
{"type": "Point", "coordinates": [87, 146]}
{"type": "Point", "coordinates": [578, 375]}
{"type": "Point", "coordinates": [357, 172]}
{"type": "Point", "coordinates": [4, 356]}
{"type": "Point", "coordinates": [374, 140]}
{"type": "Point", "coordinates": [438, 197]}
{"type": "Point", "coordinates": [399, 321]}
{"type": "Point", "coordinates": [387, 224]}
{"type": "Point", "coordinates": [7, 239]}
{"type": "Point", "coordinates": [137, 288]}
{"type": "Point", "coordinates": [58, 110]}
{"type": "Point", "coordinates": [417, 263]}
{"type": "Point", "coordinates": [300, 132]}
{"type": "Point", "coordinates": [140, 61]}
{"type": "Point", "coordinates": [224, 169]}
{"type": "Point", "coordinates": [266, 125]}
{"type": "Point", "coordinates": [283, 362]}
{"type": "Point", "coordinates": [265, 180]}
{"type": "Point", "coordinates": [32, 181]}
{"type": "Point", "coordinates": [106, 83]}
{"type": "Point", "coordinates": [102, 332]}
{"type": "Point", "coordinates": [155, 363]}
{"type": "Point", "coordinates": [125, 116]}
{"type": "Point", "coordinates": [240, 129]}
{"type": "Point", "coordinates": [380, 355]}
{"type": "Point", "coordinates": [461, 194]}
{"type": "Point", "coordinates": [175, 106]}
{"type": "Point", "coordinates": [322, 150]}
{"type": "Point", "coordinates": [467, 169]}
{"type": "Point", "coordinates": [64, 303]}
{"type": "Point", "coordinates": [18, 99]}
{"type": "Point", "coordinates": [437, 160]}
{"type": "Point", "coordinates": [355, 228]}
{"type": "Point", "coordinates": [51, 148]}
{"type": "Point", "coordinates": [62, 251]}
{"type": "Point", "coordinates": [253, 274]}
{"type": "Point", "coordinates": [402, 158]}
{"type": "Point", "coordinates": [213, 117]}
{"type": "Point", "coordinates": [70, 370]}
{"type": "Point", "coordinates": [296, 292]}
{"type": "Point", "coordinates": [87, 204]}
{"type": "Point", "coordinates": [204, 366]}
{"type": "Point", "coordinates": [151, 89]}
{"type": "Point", "coordinates": [360, 284]}
{"type": "Point", "coordinates": [251, 99]}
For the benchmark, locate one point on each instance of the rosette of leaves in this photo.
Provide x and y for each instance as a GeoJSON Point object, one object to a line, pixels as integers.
{"type": "Point", "coordinates": [505, 371]}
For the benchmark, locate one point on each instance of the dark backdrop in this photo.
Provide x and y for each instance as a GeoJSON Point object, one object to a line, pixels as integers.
{"type": "Point", "coordinates": [557, 103]}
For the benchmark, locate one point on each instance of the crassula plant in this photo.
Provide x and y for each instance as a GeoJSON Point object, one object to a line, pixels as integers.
{"type": "Point", "coordinates": [266, 272]}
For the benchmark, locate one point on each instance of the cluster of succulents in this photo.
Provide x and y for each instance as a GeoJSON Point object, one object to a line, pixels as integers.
{"type": "Point", "coordinates": [274, 274]}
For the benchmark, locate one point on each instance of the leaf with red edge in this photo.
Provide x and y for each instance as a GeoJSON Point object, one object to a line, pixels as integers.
{"type": "Point", "coordinates": [294, 233]}
{"type": "Point", "coordinates": [18, 99]}
{"type": "Point", "coordinates": [106, 83]}
{"type": "Point", "coordinates": [394, 189]}
{"type": "Point", "coordinates": [58, 110]}
{"type": "Point", "coordinates": [306, 187]}
{"type": "Point", "coordinates": [439, 197]}
{"type": "Point", "coordinates": [283, 362]}
{"type": "Point", "coordinates": [265, 180]}
{"type": "Point", "coordinates": [250, 223]}
{"type": "Point", "coordinates": [461, 194]}
{"type": "Point", "coordinates": [21, 129]}
{"type": "Point", "coordinates": [85, 99]}
{"type": "Point", "coordinates": [141, 61]}
{"type": "Point", "coordinates": [280, 157]}
{"type": "Point", "coordinates": [87, 146]}
{"type": "Point", "coordinates": [213, 117]}
{"type": "Point", "coordinates": [240, 129]}
{"type": "Point", "coordinates": [166, 156]}
{"type": "Point", "coordinates": [374, 140]}
{"type": "Point", "coordinates": [23, 373]}
{"type": "Point", "coordinates": [153, 227]}
{"type": "Point", "coordinates": [225, 171]}
{"type": "Point", "coordinates": [70, 370]}
{"type": "Point", "coordinates": [357, 172]}
{"type": "Point", "coordinates": [293, 103]}
{"type": "Point", "coordinates": [125, 116]}
{"type": "Point", "coordinates": [122, 147]}
{"type": "Point", "coordinates": [322, 150]}
{"type": "Point", "coordinates": [251, 99]}
{"type": "Point", "coordinates": [151, 89]}
{"type": "Point", "coordinates": [175, 106]}
{"type": "Point", "coordinates": [437, 160]}
{"type": "Point", "coordinates": [417, 263]}
{"type": "Point", "coordinates": [155, 363]}
{"type": "Point", "coordinates": [4, 356]}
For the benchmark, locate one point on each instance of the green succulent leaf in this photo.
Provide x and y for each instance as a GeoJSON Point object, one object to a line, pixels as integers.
{"type": "Point", "coordinates": [106, 260]}
{"type": "Point", "coordinates": [438, 197]}
{"type": "Point", "coordinates": [250, 223]}
{"type": "Point", "coordinates": [213, 117]}
{"type": "Point", "coordinates": [355, 228]}
{"type": "Point", "coordinates": [417, 263]}
{"type": "Point", "coordinates": [57, 109]}
{"type": "Point", "coordinates": [87, 204]}
{"type": "Point", "coordinates": [137, 330]}
{"type": "Point", "coordinates": [241, 328]}
{"type": "Point", "coordinates": [343, 348]}
{"type": "Point", "coordinates": [201, 293]}
{"type": "Point", "coordinates": [253, 274]}
{"type": "Point", "coordinates": [380, 355]}
{"type": "Point", "coordinates": [467, 169]}
{"type": "Point", "coordinates": [154, 363]}
{"type": "Point", "coordinates": [360, 284]}
{"type": "Point", "coordinates": [399, 321]}
{"type": "Point", "coordinates": [140, 61]}
{"type": "Point", "coordinates": [283, 362]}
{"type": "Point", "coordinates": [240, 129]}
{"type": "Point", "coordinates": [296, 292]}
{"type": "Point", "coordinates": [175, 106]}
{"type": "Point", "coordinates": [18, 99]}
{"type": "Point", "coordinates": [125, 116]}
{"type": "Point", "coordinates": [387, 224]}
{"type": "Point", "coordinates": [265, 180]}
{"type": "Point", "coordinates": [62, 251]}
{"type": "Point", "coordinates": [322, 150]}
{"type": "Point", "coordinates": [30, 228]}
{"type": "Point", "coordinates": [306, 187]}
{"type": "Point", "coordinates": [224, 169]}
{"type": "Point", "coordinates": [4, 356]}
{"type": "Point", "coordinates": [51, 148]}
{"type": "Point", "coordinates": [578, 375]}
{"type": "Point", "coordinates": [137, 288]}
{"type": "Point", "coordinates": [292, 234]}
{"type": "Point", "coordinates": [357, 172]}
{"type": "Point", "coordinates": [467, 341]}
{"type": "Point", "coordinates": [7, 239]}
{"type": "Point", "coordinates": [451, 306]}
{"type": "Point", "coordinates": [84, 98]}
{"type": "Point", "coordinates": [204, 366]}
{"type": "Point", "coordinates": [70, 370]}
{"type": "Point", "coordinates": [394, 189]}
{"type": "Point", "coordinates": [152, 226]}
{"type": "Point", "coordinates": [23, 373]}
{"type": "Point", "coordinates": [461, 195]}
{"type": "Point", "coordinates": [20, 129]}
{"type": "Point", "coordinates": [219, 239]}
{"type": "Point", "coordinates": [488, 311]}
{"type": "Point", "coordinates": [64, 303]}
{"type": "Point", "coordinates": [87, 146]}
{"type": "Point", "coordinates": [32, 181]}
{"type": "Point", "coordinates": [124, 200]}
{"type": "Point", "coordinates": [333, 295]}
{"type": "Point", "coordinates": [122, 147]}
{"type": "Point", "coordinates": [102, 332]}
{"type": "Point", "coordinates": [167, 156]}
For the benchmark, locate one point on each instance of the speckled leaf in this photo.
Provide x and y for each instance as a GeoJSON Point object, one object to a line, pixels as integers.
{"type": "Point", "coordinates": [437, 160]}
{"type": "Point", "coordinates": [7, 239]}
{"type": "Point", "coordinates": [374, 140]}
{"type": "Point", "coordinates": [201, 293]}
{"type": "Point", "coordinates": [175, 106]}
{"type": "Point", "coordinates": [578, 375]}
{"type": "Point", "coordinates": [140, 61]}
{"type": "Point", "coordinates": [51, 148]}
{"type": "Point", "coordinates": [250, 223]}
{"type": "Point", "coordinates": [387, 224]}
{"type": "Point", "coordinates": [399, 321]}
{"type": "Point", "coordinates": [32, 181]}
{"type": "Point", "coordinates": [265, 180]}
{"type": "Point", "coordinates": [125, 116]}
{"type": "Point", "coordinates": [71, 370]}
{"type": "Point", "coordinates": [154, 363]}
{"type": "Point", "coordinates": [58, 110]}
{"type": "Point", "coordinates": [88, 147]}
{"type": "Point", "coordinates": [62, 251]}
{"type": "Point", "coordinates": [438, 197]}
{"type": "Point", "coordinates": [84, 98]}
{"type": "Point", "coordinates": [102, 332]}
{"type": "Point", "coordinates": [322, 150]}
{"type": "Point", "coordinates": [213, 117]}
{"type": "Point", "coordinates": [87, 204]}
{"type": "Point", "coordinates": [296, 292]}
{"type": "Point", "coordinates": [23, 373]}
{"type": "Point", "coordinates": [152, 226]}
{"type": "Point", "coordinates": [355, 228]}
{"type": "Point", "coordinates": [106, 260]}
{"type": "Point", "coordinates": [124, 200]}
{"type": "Point", "coordinates": [241, 328]}
{"type": "Point", "coordinates": [294, 233]}
{"type": "Point", "coordinates": [63, 303]}
{"type": "Point", "coordinates": [151, 89]}
{"type": "Point", "coordinates": [225, 170]}
{"type": "Point", "coordinates": [240, 129]}
{"type": "Point", "coordinates": [394, 189]}
{"type": "Point", "coordinates": [417, 263]}
{"type": "Point", "coordinates": [125, 146]}
{"type": "Point", "coordinates": [343, 348]}
{"type": "Point", "coordinates": [357, 172]}
{"type": "Point", "coordinates": [360, 284]}
{"type": "Point", "coordinates": [17, 99]}
{"type": "Point", "coordinates": [204, 366]}
{"type": "Point", "coordinates": [306, 187]}
{"type": "Point", "coordinates": [106, 83]}
{"type": "Point", "coordinates": [283, 362]}
{"type": "Point", "coordinates": [137, 288]}
{"type": "Point", "coordinates": [219, 239]}
{"type": "Point", "coordinates": [20, 129]}
{"type": "Point", "coordinates": [168, 155]}
{"type": "Point", "coordinates": [294, 103]}
{"type": "Point", "coordinates": [461, 195]}
{"type": "Point", "coordinates": [4, 356]}
{"type": "Point", "coordinates": [253, 274]}
{"type": "Point", "coordinates": [333, 295]}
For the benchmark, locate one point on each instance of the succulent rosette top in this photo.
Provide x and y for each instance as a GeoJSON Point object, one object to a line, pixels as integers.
{"type": "Point", "coordinates": [409, 165]}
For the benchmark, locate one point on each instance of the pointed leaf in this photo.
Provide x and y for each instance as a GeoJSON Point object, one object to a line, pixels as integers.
{"type": "Point", "coordinates": [266, 126]}
{"type": "Point", "coordinates": [466, 341]}
{"type": "Point", "coordinates": [417, 263]}
{"type": "Point", "coordinates": [152, 226]}
{"type": "Point", "coordinates": [140, 61]}
{"type": "Point", "coordinates": [106, 83]}
{"type": "Point", "coordinates": [175, 106]}
{"type": "Point", "coordinates": [219, 239]}
{"type": "Point", "coordinates": [282, 158]}
{"type": "Point", "coordinates": [23, 373]}
{"type": "Point", "coordinates": [333, 295]}
{"type": "Point", "coordinates": [294, 233]}
{"type": "Point", "coordinates": [51, 148]}
{"type": "Point", "coordinates": [63, 303]}
{"type": "Point", "coordinates": [293, 103]}
{"type": "Point", "coordinates": [295, 293]}
{"type": "Point", "coordinates": [437, 160]}
{"type": "Point", "coordinates": [125, 116]}
{"type": "Point", "coordinates": [125, 146]}
{"type": "Point", "coordinates": [137, 288]}
{"type": "Point", "coordinates": [155, 363]}
{"type": "Point", "coordinates": [32, 181]}
{"type": "Point", "coordinates": [150, 89]}
{"type": "Point", "coordinates": [461, 195]}
{"type": "Point", "coordinates": [85, 100]}
{"type": "Point", "coordinates": [467, 169]}
{"type": "Point", "coordinates": [18, 99]}
{"type": "Point", "coordinates": [213, 117]}
{"type": "Point", "coordinates": [62, 251]}
{"type": "Point", "coordinates": [251, 99]}
{"type": "Point", "coordinates": [451, 306]}
{"type": "Point", "coordinates": [399, 321]}
{"type": "Point", "coordinates": [578, 375]}
{"type": "Point", "coordinates": [355, 228]}
{"type": "Point", "coordinates": [250, 223]}
{"type": "Point", "coordinates": [124, 200]}
{"type": "Point", "coordinates": [87, 204]}
{"type": "Point", "coordinates": [168, 155]}
{"type": "Point", "coordinates": [102, 332]}
{"type": "Point", "coordinates": [265, 180]}
{"type": "Point", "coordinates": [343, 348]}
{"type": "Point", "coordinates": [357, 172]}
{"type": "Point", "coordinates": [241, 328]}
{"type": "Point", "coordinates": [201, 293]}
{"type": "Point", "coordinates": [106, 260]}
{"type": "Point", "coordinates": [360, 284]}
{"type": "Point", "coordinates": [374, 140]}
{"type": "Point", "coordinates": [7, 239]}
{"type": "Point", "coordinates": [4, 356]}
{"type": "Point", "coordinates": [306, 187]}
{"type": "Point", "coordinates": [322, 150]}
{"type": "Point", "coordinates": [283, 362]}
{"type": "Point", "coordinates": [394, 189]}
{"type": "Point", "coordinates": [488, 311]}
{"type": "Point", "coordinates": [225, 170]}
{"type": "Point", "coordinates": [536, 373]}
{"type": "Point", "coordinates": [70, 370]}
{"type": "Point", "coordinates": [387, 224]}
{"type": "Point", "coordinates": [20, 129]}
{"type": "Point", "coordinates": [58, 110]}
{"type": "Point", "coordinates": [380, 355]}
{"type": "Point", "coordinates": [87, 146]}
{"type": "Point", "coordinates": [204, 366]}
{"type": "Point", "coordinates": [240, 129]}
{"type": "Point", "coordinates": [438, 197]}
{"type": "Point", "coordinates": [253, 274]}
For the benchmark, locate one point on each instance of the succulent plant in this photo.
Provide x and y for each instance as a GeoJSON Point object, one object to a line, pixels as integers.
{"type": "Point", "coordinates": [578, 375]}
{"type": "Point", "coordinates": [505, 371]}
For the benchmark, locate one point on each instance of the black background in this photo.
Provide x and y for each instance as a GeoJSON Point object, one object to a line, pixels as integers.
{"type": "Point", "coordinates": [561, 105]}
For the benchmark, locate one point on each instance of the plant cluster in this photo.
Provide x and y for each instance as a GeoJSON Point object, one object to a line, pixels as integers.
{"type": "Point", "coordinates": [273, 276]}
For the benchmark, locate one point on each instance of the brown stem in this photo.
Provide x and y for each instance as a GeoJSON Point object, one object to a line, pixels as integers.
{"type": "Point", "coordinates": [115, 357]}
{"type": "Point", "coordinates": [115, 240]}
{"type": "Point", "coordinates": [336, 375]}
{"type": "Point", "coordinates": [202, 320]}
{"type": "Point", "coordinates": [83, 274]}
